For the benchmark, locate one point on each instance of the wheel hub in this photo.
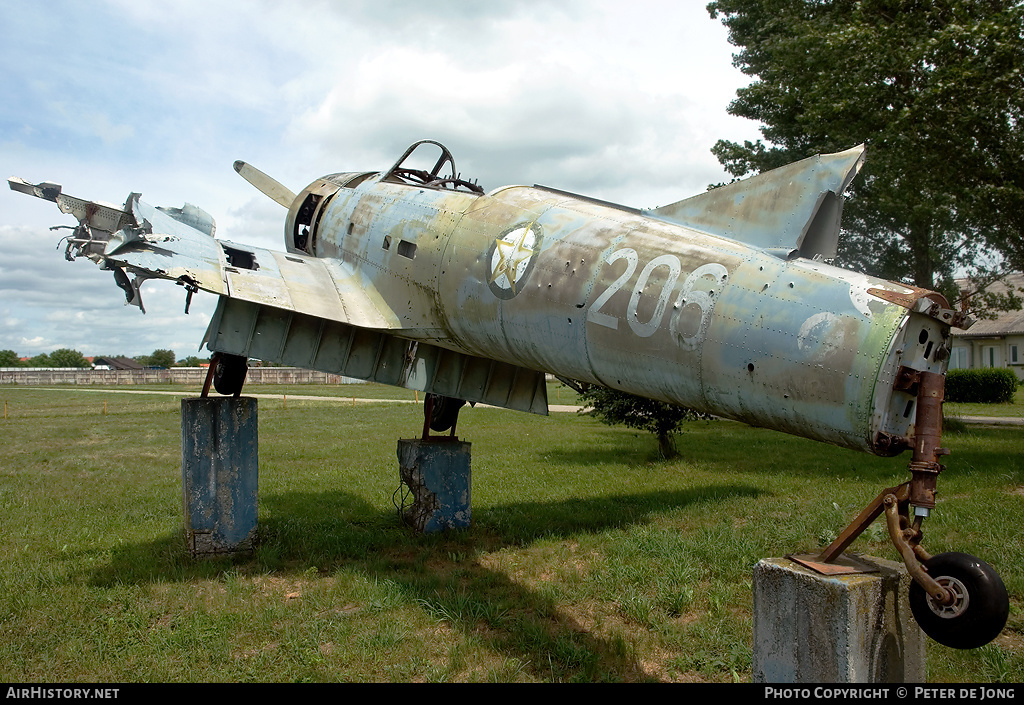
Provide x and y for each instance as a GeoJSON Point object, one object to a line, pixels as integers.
{"type": "Point", "coordinates": [958, 605]}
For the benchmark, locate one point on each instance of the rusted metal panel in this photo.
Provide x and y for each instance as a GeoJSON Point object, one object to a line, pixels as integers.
{"type": "Point", "coordinates": [844, 565]}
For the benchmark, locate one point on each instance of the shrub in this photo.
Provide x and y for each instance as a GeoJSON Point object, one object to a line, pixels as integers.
{"type": "Point", "coordinates": [984, 386]}
{"type": "Point", "coordinates": [661, 419]}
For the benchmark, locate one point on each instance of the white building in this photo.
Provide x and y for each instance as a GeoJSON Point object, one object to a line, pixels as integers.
{"type": "Point", "coordinates": [995, 343]}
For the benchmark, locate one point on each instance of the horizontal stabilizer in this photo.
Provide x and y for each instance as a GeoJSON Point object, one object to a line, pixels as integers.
{"type": "Point", "coordinates": [95, 214]}
{"type": "Point", "coordinates": [793, 210]}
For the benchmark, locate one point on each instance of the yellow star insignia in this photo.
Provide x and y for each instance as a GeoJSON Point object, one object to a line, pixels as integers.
{"type": "Point", "coordinates": [511, 252]}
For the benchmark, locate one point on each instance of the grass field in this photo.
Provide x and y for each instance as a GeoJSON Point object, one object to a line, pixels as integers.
{"type": "Point", "coordinates": [588, 560]}
{"type": "Point", "coordinates": [1014, 409]}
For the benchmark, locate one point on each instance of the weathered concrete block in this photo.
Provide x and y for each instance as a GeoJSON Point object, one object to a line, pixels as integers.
{"type": "Point", "coordinates": [219, 473]}
{"type": "Point", "coordinates": [813, 628]}
{"type": "Point", "coordinates": [438, 475]}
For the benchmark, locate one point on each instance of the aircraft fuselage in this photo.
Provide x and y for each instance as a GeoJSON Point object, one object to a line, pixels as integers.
{"type": "Point", "coordinates": [607, 295]}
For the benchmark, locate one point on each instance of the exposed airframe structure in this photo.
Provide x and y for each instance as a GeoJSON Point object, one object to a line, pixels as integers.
{"type": "Point", "coordinates": [722, 302]}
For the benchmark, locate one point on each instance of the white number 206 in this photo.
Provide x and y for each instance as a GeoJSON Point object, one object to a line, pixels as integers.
{"type": "Point", "coordinates": [688, 331]}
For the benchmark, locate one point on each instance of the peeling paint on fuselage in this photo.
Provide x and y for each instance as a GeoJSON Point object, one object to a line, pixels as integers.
{"type": "Point", "coordinates": [604, 295]}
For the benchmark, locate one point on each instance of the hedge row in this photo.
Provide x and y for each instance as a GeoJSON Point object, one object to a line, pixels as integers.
{"type": "Point", "coordinates": [984, 386]}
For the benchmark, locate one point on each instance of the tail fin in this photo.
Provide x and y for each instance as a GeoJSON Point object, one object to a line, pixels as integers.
{"type": "Point", "coordinates": [793, 210]}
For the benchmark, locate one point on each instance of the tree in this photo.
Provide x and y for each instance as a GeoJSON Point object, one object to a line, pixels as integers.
{"type": "Point", "coordinates": [935, 89]}
{"type": "Point", "coordinates": [160, 358]}
{"type": "Point", "coordinates": [40, 360]}
{"type": "Point", "coordinates": [9, 358]}
{"type": "Point", "coordinates": [192, 361]}
{"type": "Point", "coordinates": [66, 357]}
{"type": "Point", "coordinates": [661, 419]}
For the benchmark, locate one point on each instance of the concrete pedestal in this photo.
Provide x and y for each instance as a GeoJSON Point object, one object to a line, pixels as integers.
{"type": "Point", "coordinates": [437, 473]}
{"type": "Point", "coordinates": [219, 473]}
{"type": "Point", "coordinates": [814, 628]}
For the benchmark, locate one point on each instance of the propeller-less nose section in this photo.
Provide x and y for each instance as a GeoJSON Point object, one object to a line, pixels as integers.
{"type": "Point", "coordinates": [227, 372]}
{"type": "Point", "coordinates": [301, 207]}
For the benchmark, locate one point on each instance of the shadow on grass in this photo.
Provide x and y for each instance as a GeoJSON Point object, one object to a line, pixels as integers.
{"type": "Point", "coordinates": [440, 573]}
{"type": "Point", "coordinates": [522, 522]}
{"type": "Point", "coordinates": [732, 448]}
{"type": "Point", "coordinates": [988, 449]}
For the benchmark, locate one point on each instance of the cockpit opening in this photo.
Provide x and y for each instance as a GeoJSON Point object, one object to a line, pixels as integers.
{"type": "Point", "coordinates": [418, 167]}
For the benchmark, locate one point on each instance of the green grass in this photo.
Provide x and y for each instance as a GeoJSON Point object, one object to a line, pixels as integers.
{"type": "Point", "coordinates": [558, 393]}
{"type": "Point", "coordinates": [588, 560]}
{"type": "Point", "coordinates": [1014, 408]}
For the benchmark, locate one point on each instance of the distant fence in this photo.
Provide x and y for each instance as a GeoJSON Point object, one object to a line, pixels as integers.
{"type": "Point", "coordinates": [194, 376]}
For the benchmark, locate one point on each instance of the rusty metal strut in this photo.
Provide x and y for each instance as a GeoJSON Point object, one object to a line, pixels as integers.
{"type": "Point", "coordinates": [918, 493]}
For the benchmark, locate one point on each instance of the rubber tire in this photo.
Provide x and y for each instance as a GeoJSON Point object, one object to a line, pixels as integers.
{"type": "Point", "coordinates": [987, 609]}
{"type": "Point", "coordinates": [229, 375]}
{"type": "Point", "coordinates": [444, 412]}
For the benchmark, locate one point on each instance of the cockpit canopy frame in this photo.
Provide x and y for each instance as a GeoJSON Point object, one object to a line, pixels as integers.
{"type": "Point", "coordinates": [434, 178]}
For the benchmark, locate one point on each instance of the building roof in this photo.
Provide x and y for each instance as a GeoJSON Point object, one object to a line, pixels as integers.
{"type": "Point", "coordinates": [1006, 323]}
{"type": "Point", "coordinates": [118, 363]}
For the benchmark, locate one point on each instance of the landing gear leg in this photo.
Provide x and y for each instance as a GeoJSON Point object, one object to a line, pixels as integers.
{"type": "Point", "coordinates": [957, 599]}
{"type": "Point", "coordinates": [441, 414]}
{"type": "Point", "coordinates": [227, 372]}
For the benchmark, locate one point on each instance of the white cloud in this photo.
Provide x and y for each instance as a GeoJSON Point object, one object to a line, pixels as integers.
{"type": "Point", "coordinates": [34, 344]}
{"type": "Point", "coordinates": [591, 97]}
{"type": "Point", "coordinates": [107, 131]}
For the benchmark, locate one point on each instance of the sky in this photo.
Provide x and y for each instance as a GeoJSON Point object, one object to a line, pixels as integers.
{"type": "Point", "coordinates": [619, 101]}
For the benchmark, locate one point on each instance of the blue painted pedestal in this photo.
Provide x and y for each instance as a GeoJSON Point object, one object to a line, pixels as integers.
{"type": "Point", "coordinates": [437, 473]}
{"type": "Point", "coordinates": [219, 473]}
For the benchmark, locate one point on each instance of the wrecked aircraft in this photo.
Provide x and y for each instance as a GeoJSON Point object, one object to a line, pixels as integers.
{"type": "Point", "coordinates": [723, 302]}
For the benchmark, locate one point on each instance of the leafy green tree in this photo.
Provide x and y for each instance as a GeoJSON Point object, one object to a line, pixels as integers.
{"type": "Point", "coordinates": [159, 358]}
{"type": "Point", "coordinates": [935, 89]}
{"type": "Point", "coordinates": [661, 419]}
{"type": "Point", "coordinates": [66, 357]}
{"type": "Point", "coordinates": [9, 358]}
{"type": "Point", "coordinates": [40, 360]}
{"type": "Point", "coordinates": [192, 361]}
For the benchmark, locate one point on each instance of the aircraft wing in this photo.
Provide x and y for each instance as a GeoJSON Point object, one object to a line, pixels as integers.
{"type": "Point", "coordinates": [298, 310]}
{"type": "Point", "coordinates": [177, 244]}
